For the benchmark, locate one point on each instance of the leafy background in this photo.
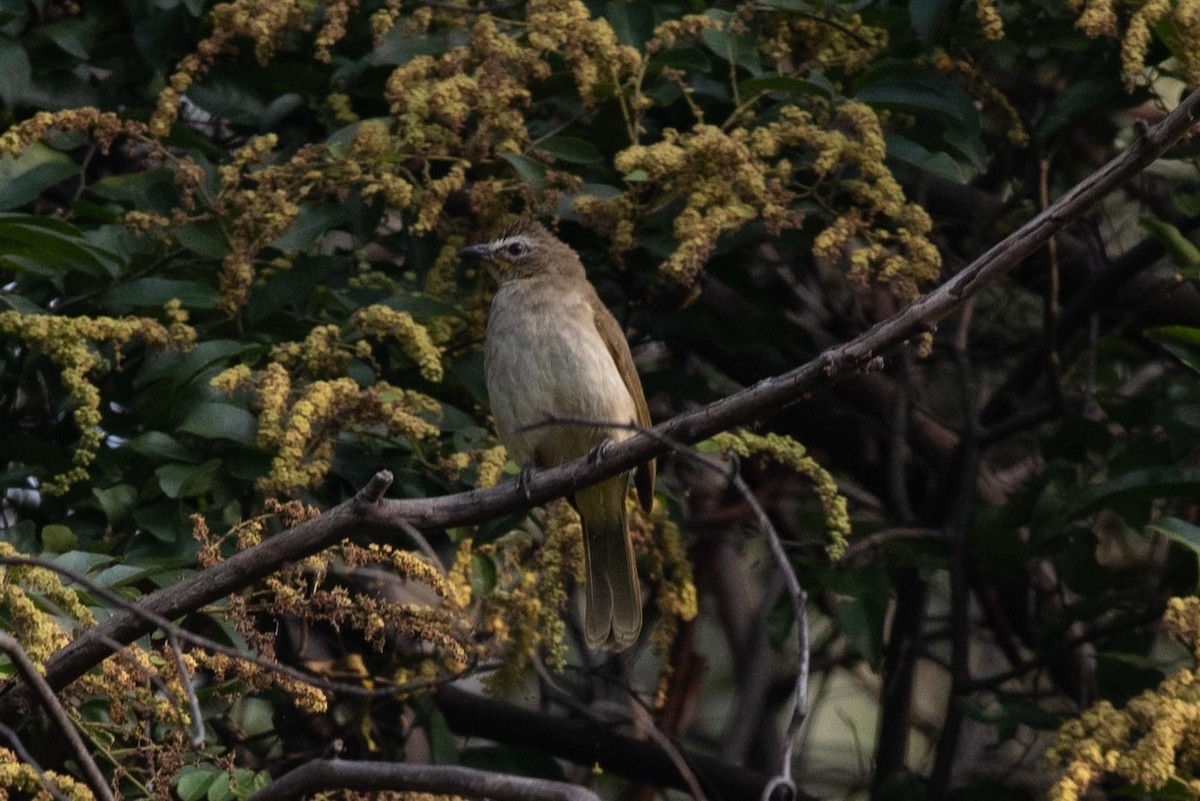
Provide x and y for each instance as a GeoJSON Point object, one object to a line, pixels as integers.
{"type": "Point", "coordinates": [278, 189]}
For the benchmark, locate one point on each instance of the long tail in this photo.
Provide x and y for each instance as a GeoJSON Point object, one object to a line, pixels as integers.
{"type": "Point", "coordinates": [613, 616]}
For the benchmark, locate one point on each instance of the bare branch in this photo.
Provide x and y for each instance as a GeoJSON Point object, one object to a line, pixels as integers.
{"type": "Point", "coordinates": [335, 774]}
{"type": "Point", "coordinates": [58, 716]}
{"type": "Point", "coordinates": [369, 513]}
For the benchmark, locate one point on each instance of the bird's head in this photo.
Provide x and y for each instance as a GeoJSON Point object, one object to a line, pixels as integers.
{"type": "Point", "coordinates": [523, 250]}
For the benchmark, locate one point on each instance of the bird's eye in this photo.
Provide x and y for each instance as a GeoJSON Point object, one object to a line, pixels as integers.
{"type": "Point", "coordinates": [515, 249]}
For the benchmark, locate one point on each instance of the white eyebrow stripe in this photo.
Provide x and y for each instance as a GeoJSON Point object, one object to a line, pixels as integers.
{"type": "Point", "coordinates": [504, 242]}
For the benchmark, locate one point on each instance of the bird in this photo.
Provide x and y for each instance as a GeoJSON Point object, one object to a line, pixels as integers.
{"type": "Point", "coordinates": [553, 351]}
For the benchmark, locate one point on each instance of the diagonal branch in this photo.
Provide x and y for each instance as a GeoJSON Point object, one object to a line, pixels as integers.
{"type": "Point", "coordinates": [58, 716]}
{"type": "Point", "coordinates": [369, 514]}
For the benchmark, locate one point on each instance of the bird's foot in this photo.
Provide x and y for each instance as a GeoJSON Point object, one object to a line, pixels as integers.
{"type": "Point", "coordinates": [523, 479]}
{"type": "Point", "coordinates": [596, 454]}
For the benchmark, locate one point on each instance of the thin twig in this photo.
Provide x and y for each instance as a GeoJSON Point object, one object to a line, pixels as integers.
{"type": "Point", "coordinates": [185, 680]}
{"type": "Point", "coordinates": [423, 545]}
{"type": "Point", "coordinates": [23, 754]}
{"type": "Point", "coordinates": [871, 542]}
{"type": "Point", "coordinates": [58, 716]}
{"type": "Point", "coordinates": [643, 720]}
{"type": "Point", "coordinates": [800, 613]}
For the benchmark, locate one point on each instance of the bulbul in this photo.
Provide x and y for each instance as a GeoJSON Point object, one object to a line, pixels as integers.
{"type": "Point", "coordinates": [554, 351]}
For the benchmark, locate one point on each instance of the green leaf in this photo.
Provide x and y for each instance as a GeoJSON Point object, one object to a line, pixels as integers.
{"type": "Point", "coordinates": [183, 481]}
{"type": "Point", "coordinates": [152, 189]}
{"type": "Point", "coordinates": [117, 501]}
{"type": "Point", "coordinates": [192, 783]}
{"type": "Point", "coordinates": [16, 73]}
{"type": "Point", "coordinates": [531, 171]}
{"type": "Point", "coordinates": [1149, 482]}
{"type": "Point", "coordinates": [921, 92]}
{"type": "Point", "coordinates": [737, 48]}
{"type": "Point", "coordinates": [924, 15]}
{"type": "Point", "coordinates": [81, 562]}
{"type": "Point", "coordinates": [483, 574]}
{"type": "Point", "coordinates": [904, 149]}
{"type": "Point", "coordinates": [160, 446]}
{"type": "Point", "coordinates": [73, 35]}
{"type": "Point", "coordinates": [153, 292]}
{"type": "Point", "coordinates": [633, 22]}
{"type": "Point", "coordinates": [180, 368]}
{"type": "Point", "coordinates": [220, 790]}
{"type": "Point", "coordinates": [221, 421]}
{"type": "Point", "coordinates": [1181, 341]}
{"type": "Point", "coordinates": [1181, 531]}
{"type": "Point", "coordinates": [161, 520]}
{"type": "Point", "coordinates": [571, 149]}
{"type": "Point", "coordinates": [30, 242]}
{"type": "Point", "coordinates": [57, 538]}
{"type": "Point", "coordinates": [815, 84]}
{"type": "Point", "coordinates": [1178, 246]}
{"type": "Point", "coordinates": [310, 223]}
{"type": "Point", "coordinates": [24, 177]}
{"type": "Point", "coordinates": [205, 238]}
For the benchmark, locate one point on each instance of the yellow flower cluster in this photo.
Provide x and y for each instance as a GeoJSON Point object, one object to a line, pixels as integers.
{"type": "Point", "coordinates": [333, 27]}
{"type": "Point", "coordinates": [377, 618]}
{"type": "Point", "coordinates": [302, 426]}
{"type": "Point", "coordinates": [104, 127]}
{"type": "Point", "coordinates": [726, 179]}
{"type": "Point", "coordinates": [661, 550]}
{"type": "Point", "coordinates": [40, 633]}
{"type": "Point", "coordinates": [25, 780]}
{"type": "Point", "coordinates": [470, 102]}
{"type": "Point", "coordinates": [792, 454]}
{"type": "Point", "coordinates": [990, 22]}
{"type": "Point", "coordinates": [380, 321]}
{"type": "Point", "coordinates": [71, 344]}
{"type": "Point", "coordinates": [260, 195]}
{"type": "Point", "coordinates": [237, 677]}
{"type": "Point", "coordinates": [587, 44]}
{"type": "Point", "coordinates": [404, 563]}
{"type": "Point", "coordinates": [1150, 742]}
{"type": "Point", "coordinates": [124, 682]}
{"type": "Point", "coordinates": [491, 467]}
{"type": "Point", "coordinates": [265, 22]}
{"type": "Point", "coordinates": [882, 237]}
{"type": "Point", "coordinates": [1179, 20]}
{"type": "Point", "coordinates": [730, 177]}
{"type": "Point", "coordinates": [838, 41]}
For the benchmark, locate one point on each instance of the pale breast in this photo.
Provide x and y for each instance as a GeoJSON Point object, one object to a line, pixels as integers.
{"type": "Point", "coordinates": [546, 360]}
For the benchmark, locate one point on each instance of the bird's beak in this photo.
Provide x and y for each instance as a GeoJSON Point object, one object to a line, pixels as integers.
{"type": "Point", "coordinates": [481, 251]}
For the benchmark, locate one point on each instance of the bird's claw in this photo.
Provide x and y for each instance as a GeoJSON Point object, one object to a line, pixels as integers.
{"type": "Point", "coordinates": [523, 479]}
{"type": "Point", "coordinates": [596, 454]}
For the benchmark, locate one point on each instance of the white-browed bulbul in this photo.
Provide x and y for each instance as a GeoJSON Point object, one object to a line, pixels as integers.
{"type": "Point", "coordinates": [553, 351]}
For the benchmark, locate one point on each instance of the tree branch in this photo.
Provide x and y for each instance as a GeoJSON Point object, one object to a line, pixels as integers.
{"type": "Point", "coordinates": [58, 716]}
{"type": "Point", "coordinates": [369, 513]}
{"type": "Point", "coordinates": [333, 774]}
